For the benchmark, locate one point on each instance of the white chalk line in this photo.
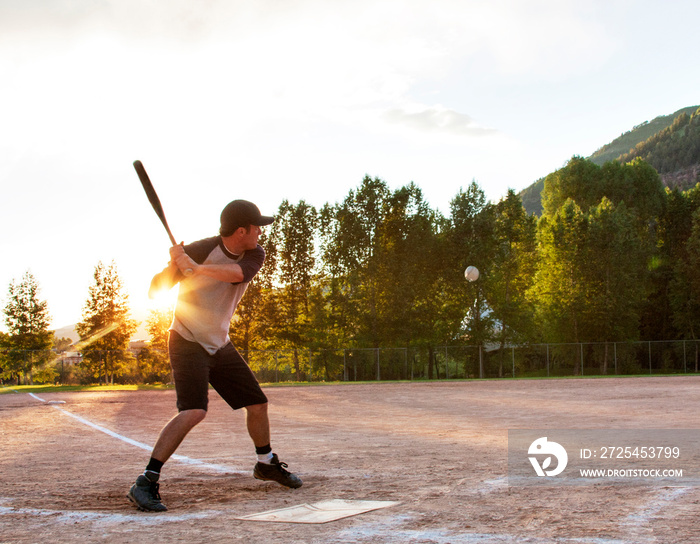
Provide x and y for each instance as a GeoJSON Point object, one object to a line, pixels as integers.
{"type": "Point", "coordinates": [640, 523]}
{"type": "Point", "coordinates": [181, 458]}
{"type": "Point", "coordinates": [390, 532]}
{"type": "Point", "coordinates": [77, 516]}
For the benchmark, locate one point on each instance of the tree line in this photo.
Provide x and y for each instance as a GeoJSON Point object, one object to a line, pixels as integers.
{"type": "Point", "coordinates": [615, 257]}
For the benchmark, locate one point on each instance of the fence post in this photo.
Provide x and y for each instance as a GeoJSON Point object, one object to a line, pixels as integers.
{"type": "Point", "coordinates": [615, 355]}
{"type": "Point", "coordinates": [379, 377]}
{"type": "Point", "coordinates": [548, 360]}
{"type": "Point", "coordinates": [650, 357]}
{"type": "Point", "coordinates": [581, 345]}
{"type": "Point", "coordinates": [685, 366]}
{"type": "Point", "coordinates": [512, 349]}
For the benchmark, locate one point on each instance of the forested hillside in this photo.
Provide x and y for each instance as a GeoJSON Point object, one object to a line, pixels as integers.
{"type": "Point", "coordinates": [673, 151]}
{"type": "Point", "coordinates": [670, 143]}
{"type": "Point", "coordinates": [642, 132]}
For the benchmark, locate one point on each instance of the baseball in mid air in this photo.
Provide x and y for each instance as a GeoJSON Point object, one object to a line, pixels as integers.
{"type": "Point", "coordinates": [471, 273]}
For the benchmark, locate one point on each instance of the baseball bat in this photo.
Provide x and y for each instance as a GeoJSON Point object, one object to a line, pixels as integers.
{"type": "Point", "coordinates": [155, 202]}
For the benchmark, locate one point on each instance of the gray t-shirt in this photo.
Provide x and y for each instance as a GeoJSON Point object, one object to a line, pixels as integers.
{"type": "Point", "coordinates": [205, 306]}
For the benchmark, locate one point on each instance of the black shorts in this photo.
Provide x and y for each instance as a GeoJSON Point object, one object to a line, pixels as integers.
{"type": "Point", "coordinates": [228, 373]}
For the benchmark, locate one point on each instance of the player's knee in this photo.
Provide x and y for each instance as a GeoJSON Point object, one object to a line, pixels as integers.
{"type": "Point", "coordinates": [257, 409]}
{"type": "Point", "coordinates": [195, 416]}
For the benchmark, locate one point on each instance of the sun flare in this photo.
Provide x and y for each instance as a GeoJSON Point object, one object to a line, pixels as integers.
{"type": "Point", "coordinates": [163, 299]}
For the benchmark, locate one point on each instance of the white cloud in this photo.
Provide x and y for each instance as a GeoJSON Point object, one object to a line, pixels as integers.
{"type": "Point", "coordinates": [438, 119]}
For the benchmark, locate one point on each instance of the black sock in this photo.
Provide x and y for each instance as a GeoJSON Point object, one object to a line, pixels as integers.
{"type": "Point", "coordinates": [154, 465]}
{"type": "Point", "coordinates": [262, 450]}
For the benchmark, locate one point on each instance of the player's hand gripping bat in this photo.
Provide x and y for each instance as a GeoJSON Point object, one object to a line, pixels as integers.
{"type": "Point", "coordinates": [155, 202]}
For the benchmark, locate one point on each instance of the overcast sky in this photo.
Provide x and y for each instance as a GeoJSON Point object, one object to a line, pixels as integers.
{"type": "Point", "coordinates": [299, 99]}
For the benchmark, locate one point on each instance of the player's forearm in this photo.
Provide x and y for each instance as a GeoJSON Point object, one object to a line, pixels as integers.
{"type": "Point", "coordinates": [229, 273]}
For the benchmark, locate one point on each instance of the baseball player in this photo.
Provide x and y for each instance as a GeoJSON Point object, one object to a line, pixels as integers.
{"type": "Point", "coordinates": [200, 350]}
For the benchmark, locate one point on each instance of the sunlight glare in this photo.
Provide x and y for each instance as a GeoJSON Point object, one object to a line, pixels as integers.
{"type": "Point", "coordinates": [164, 299]}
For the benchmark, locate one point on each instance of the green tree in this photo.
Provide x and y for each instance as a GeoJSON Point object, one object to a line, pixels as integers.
{"type": "Point", "coordinates": [4, 349]}
{"type": "Point", "coordinates": [615, 275]}
{"type": "Point", "coordinates": [512, 269]}
{"type": "Point", "coordinates": [580, 180]}
{"type": "Point", "coordinates": [350, 251]}
{"type": "Point", "coordinates": [107, 326]}
{"type": "Point", "coordinates": [408, 273]}
{"type": "Point", "coordinates": [29, 339]}
{"type": "Point", "coordinates": [62, 344]}
{"type": "Point", "coordinates": [559, 288]}
{"type": "Point", "coordinates": [667, 264]}
{"type": "Point", "coordinates": [468, 240]}
{"type": "Point", "coordinates": [248, 328]}
{"type": "Point", "coordinates": [153, 362]}
{"type": "Point", "coordinates": [293, 236]}
{"type": "Point", "coordinates": [405, 240]}
{"type": "Point", "coordinates": [636, 184]}
{"type": "Point", "coordinates": [684, 288]}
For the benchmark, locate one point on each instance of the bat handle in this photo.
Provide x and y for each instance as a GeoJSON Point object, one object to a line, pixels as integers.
{"type": "Point", "coordinates": [187, 271]}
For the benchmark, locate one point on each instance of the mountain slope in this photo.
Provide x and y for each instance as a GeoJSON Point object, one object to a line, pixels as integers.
{"type": "Point", "coordinates": [627, 141]}
{"type": "Point", "coordinates": [674, 151]}
{"type": "Point", "coordinates": [670, 143]}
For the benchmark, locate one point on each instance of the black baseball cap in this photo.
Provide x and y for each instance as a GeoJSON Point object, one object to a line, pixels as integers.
{"type": "Point", "coordinates": [241, 213]}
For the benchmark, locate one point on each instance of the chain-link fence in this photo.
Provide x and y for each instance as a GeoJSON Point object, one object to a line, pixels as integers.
{"type": "Point", "coordinates": [377, 364]}
{"type": "Point", "coordinates": [470, 362]}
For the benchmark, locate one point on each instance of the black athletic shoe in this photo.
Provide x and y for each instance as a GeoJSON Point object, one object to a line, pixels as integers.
{"type": "Point", "coordinates": [144, 494]}
{"type": "Point", "coordinates": [276, 472]}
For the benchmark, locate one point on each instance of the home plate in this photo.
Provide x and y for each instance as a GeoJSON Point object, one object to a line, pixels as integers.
{"type": "Point", "coordinates": [319, 512]}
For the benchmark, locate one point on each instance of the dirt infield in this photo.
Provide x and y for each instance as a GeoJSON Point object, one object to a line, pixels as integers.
{"type": "Point", "coordinates": [438, 448]}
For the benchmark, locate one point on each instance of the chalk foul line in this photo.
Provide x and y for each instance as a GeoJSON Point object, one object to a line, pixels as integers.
{"type": "Point", "coordinates": [76, 516]}
{"type": "Point", "coordinates": [181, 458]}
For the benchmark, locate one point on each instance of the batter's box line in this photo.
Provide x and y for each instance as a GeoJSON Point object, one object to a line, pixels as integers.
{"type": "Point", "coordinates": [222, 469]}
{"type": "Point", "coordinates": [90, 516]}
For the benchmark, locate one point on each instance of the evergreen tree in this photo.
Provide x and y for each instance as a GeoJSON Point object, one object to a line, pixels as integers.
{"type": "Point", "coordinates": [29, 339]}
{"type": "Point", "coordinates": [106, 327]}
